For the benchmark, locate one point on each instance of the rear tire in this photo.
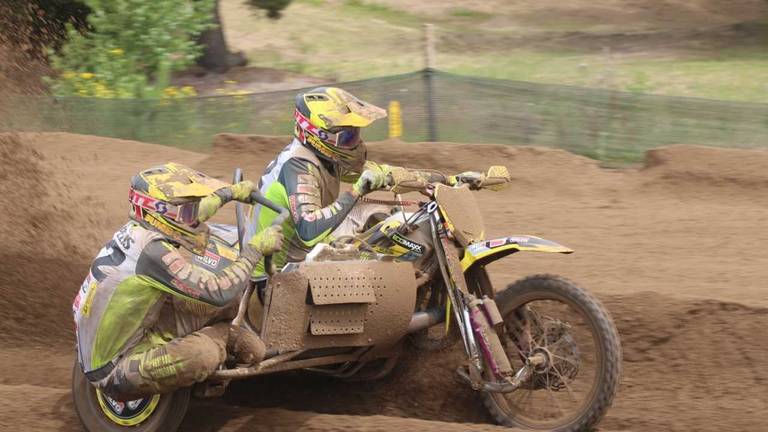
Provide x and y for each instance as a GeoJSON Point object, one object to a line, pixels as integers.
{"type": "Point", "coordinates": [162, 414]}
{"type": "Point", "coordinates": [547, 287]}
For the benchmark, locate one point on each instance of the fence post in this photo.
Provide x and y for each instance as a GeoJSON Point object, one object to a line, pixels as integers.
{"type": "Point", "coordinates": [429, 72]}
{"type": "Point", "coordinates": [395, 120]}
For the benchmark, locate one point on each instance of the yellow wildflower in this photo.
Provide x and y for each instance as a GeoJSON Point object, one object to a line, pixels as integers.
{"type": "Point", "coordinates": [86, 75]}
{"type": "Point", "coordinates": [170, 92]}
{"type": "Point", "coordinates": [117, 51]}
{"type": "Point", "coordinates": [189, 91]}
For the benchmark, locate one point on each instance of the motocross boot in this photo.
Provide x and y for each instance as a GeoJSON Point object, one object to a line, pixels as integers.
{"type": "Point", "coordinates": [245, 345]}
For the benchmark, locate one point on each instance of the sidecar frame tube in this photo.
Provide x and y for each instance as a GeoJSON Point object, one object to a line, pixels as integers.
{"type": "Point", "coordinates": [242, 373]}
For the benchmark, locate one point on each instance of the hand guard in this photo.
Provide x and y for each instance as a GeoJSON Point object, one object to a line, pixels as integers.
{"type": "Point", "coordinates": [268, 240]}
{"type": "Point", "coordinates": [472, 178]}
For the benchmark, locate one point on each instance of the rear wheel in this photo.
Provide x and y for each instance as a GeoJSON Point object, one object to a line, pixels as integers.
{"type": "Point", "coordinates": [575, 386]}
{"type": "Point", "coordinates": [99, 412]}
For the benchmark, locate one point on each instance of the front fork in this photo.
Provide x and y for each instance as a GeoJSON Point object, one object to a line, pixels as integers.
{"type": "Point", "coordinates": [477, 319]}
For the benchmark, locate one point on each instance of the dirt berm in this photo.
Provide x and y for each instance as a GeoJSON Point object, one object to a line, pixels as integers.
{"type": "Point", "coordinates": [674, 249]}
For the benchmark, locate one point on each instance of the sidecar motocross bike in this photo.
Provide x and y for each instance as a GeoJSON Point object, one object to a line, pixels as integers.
{"type": "Point", "coordinates": [542, 353]}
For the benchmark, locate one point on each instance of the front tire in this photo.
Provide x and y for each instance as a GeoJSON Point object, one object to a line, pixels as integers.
{"type": "Point", "coordinates": [97, 412]}
{"type": "Point", "coordinates": [514, 303]}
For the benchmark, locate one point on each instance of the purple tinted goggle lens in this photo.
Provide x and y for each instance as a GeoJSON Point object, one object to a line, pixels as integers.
{"type": "Point", "coordinates": [348, 137]}
{"type": "Point", "coordinates": [187, 213]}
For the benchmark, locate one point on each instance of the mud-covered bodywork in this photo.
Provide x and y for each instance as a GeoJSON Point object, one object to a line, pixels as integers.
{"type": "Point", "coordinates": [491, 250]}
{"type": "Point", "coordinates": [338, 304]}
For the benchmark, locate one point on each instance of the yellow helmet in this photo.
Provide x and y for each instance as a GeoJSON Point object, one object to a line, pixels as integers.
{"type": "Point", "coordinates": [328, 121]}
{"type": "Point", "coordinates": [166, 199]}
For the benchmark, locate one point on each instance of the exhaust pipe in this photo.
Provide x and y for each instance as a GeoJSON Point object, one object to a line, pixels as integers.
{"type": "Point", "coordinates": [428, 318]}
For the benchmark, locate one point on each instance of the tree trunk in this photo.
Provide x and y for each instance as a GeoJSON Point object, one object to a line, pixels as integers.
{"type": "Point", "coordinates": [216, 55]}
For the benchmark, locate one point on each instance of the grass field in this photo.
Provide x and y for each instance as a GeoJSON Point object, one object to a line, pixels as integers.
{"type": "Point", "coordinates": [704, 48]}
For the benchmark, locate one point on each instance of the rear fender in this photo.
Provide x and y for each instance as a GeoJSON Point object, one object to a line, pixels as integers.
{"type": "Point", "coordinates": [486, 251]}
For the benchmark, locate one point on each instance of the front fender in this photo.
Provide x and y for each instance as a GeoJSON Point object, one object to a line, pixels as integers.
{"type": "Point", "coordinates": [491, 250]}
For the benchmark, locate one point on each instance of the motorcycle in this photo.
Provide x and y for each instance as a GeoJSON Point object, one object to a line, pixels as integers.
{"type": "Point", "coordinates": [542, 354]}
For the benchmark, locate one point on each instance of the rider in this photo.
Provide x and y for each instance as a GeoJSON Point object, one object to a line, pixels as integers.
{"type": "Point", "coordinates": [148, 319]}
{"type": "Point", "coordinates": [305, 177]}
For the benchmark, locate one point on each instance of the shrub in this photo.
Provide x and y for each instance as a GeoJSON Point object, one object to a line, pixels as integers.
{"type": "Point", "coordinates": [132, 48]}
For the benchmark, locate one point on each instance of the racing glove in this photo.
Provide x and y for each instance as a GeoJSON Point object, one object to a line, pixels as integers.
{"type": "Point", "coordinates": [212, 203]}
{"type": "Point", "coordinates": [268, 240]}
{"type": "Point", "coordinates": [371, 179]}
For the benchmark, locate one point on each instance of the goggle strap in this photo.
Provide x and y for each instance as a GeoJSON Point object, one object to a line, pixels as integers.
{"type": "Point", "coordinates": [145, 202]}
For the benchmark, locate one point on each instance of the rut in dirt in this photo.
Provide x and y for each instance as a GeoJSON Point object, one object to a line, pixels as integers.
{"type": "Point", "coordinates": [674, 350]}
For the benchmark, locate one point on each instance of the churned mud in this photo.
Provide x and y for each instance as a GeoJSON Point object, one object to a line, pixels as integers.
{"type": "Point", "coordinates": [673, 249]}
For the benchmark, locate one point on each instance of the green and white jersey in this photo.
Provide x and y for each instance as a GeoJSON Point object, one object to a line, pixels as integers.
{"type": "Point", "coordinates": [142, 289]}
{"type": "Point", "coordinates": [298, 181]}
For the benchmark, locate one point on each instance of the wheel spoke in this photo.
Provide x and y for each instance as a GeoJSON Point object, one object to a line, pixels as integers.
{"type": "Point", "coordinates": [564, 359]}
{"type": "Point", "coordinates": [567, 386]}
{"type": "Point", "coordinates": [552, 396]}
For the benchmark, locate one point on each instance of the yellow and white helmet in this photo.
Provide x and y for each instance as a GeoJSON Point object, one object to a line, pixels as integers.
{"type": "Point", "coordinates": [328, 121]}
{"type": "Point", "coordinates": [166, 199]}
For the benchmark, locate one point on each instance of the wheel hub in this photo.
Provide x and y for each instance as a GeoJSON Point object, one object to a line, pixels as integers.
{"type": "Point", "coordinates": [127, 413]}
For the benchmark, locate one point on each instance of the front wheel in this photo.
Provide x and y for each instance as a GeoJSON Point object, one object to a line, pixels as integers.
{"type": "Point", "coordinates": [571, 391]}
{"type": "Point", "coordinates": [99, 412]}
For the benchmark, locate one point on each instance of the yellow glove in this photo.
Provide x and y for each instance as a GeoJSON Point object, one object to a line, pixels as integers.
{"type": "Point", "coordinates": [212, 203]}
{"type": "Point", "coordinates": [373, 178]}
{"type": "Point", "coordinates": [268, 240]}
{"type": "Point", "coordinates": [242, 191]}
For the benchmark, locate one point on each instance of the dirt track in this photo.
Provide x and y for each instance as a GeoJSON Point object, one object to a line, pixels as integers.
{"type": "Point", "coordinates": [673, 249]}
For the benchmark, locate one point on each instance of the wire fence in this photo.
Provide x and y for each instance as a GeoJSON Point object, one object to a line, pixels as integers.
{"type": "Point", "coordinates": [615, 127]}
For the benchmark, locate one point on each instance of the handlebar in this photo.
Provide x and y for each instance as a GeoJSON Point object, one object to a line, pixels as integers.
{"type": "Point", "coordinates": [256, 197]}
{"type": "Point", "coordinates": [282, 215]}
{"type": "Point", "coordinates": [401, 180]}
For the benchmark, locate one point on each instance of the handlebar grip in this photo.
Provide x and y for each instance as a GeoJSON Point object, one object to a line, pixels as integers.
{"type": "Point", "coordinates": [239, 210]}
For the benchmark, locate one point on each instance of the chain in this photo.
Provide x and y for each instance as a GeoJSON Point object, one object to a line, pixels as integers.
{"type": "Point", "coordinates": [404, 203]}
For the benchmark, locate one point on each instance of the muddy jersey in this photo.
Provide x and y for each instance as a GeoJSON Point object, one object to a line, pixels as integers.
{"type": "Point", "coordinates": [143, 289]}
{"type": "Point", "coordinates": [298, 181]}
{"type": "Point", "coordinates": [310, 189]}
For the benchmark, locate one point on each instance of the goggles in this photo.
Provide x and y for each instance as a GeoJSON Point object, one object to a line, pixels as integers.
{"type": "Point", "coordinates": [343, 137]}
{"type": "Point", "coordinates": [185, 213]}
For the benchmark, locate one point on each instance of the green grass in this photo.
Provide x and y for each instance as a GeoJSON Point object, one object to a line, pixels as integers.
{"type": "Point", "coordinates": [379, 11]}
{"type": "Point", "coordinates": [356, 39]}
{"type": "Point", "coordinates": [742, 77]}
{"type": "Point", "coordinates": [470, 13]}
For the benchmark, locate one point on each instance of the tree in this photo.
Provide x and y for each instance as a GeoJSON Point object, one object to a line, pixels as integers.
{"type": "Point", "coordinates": [131, 48]}
{"type": "Point", "coordinates": [216, 55]}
